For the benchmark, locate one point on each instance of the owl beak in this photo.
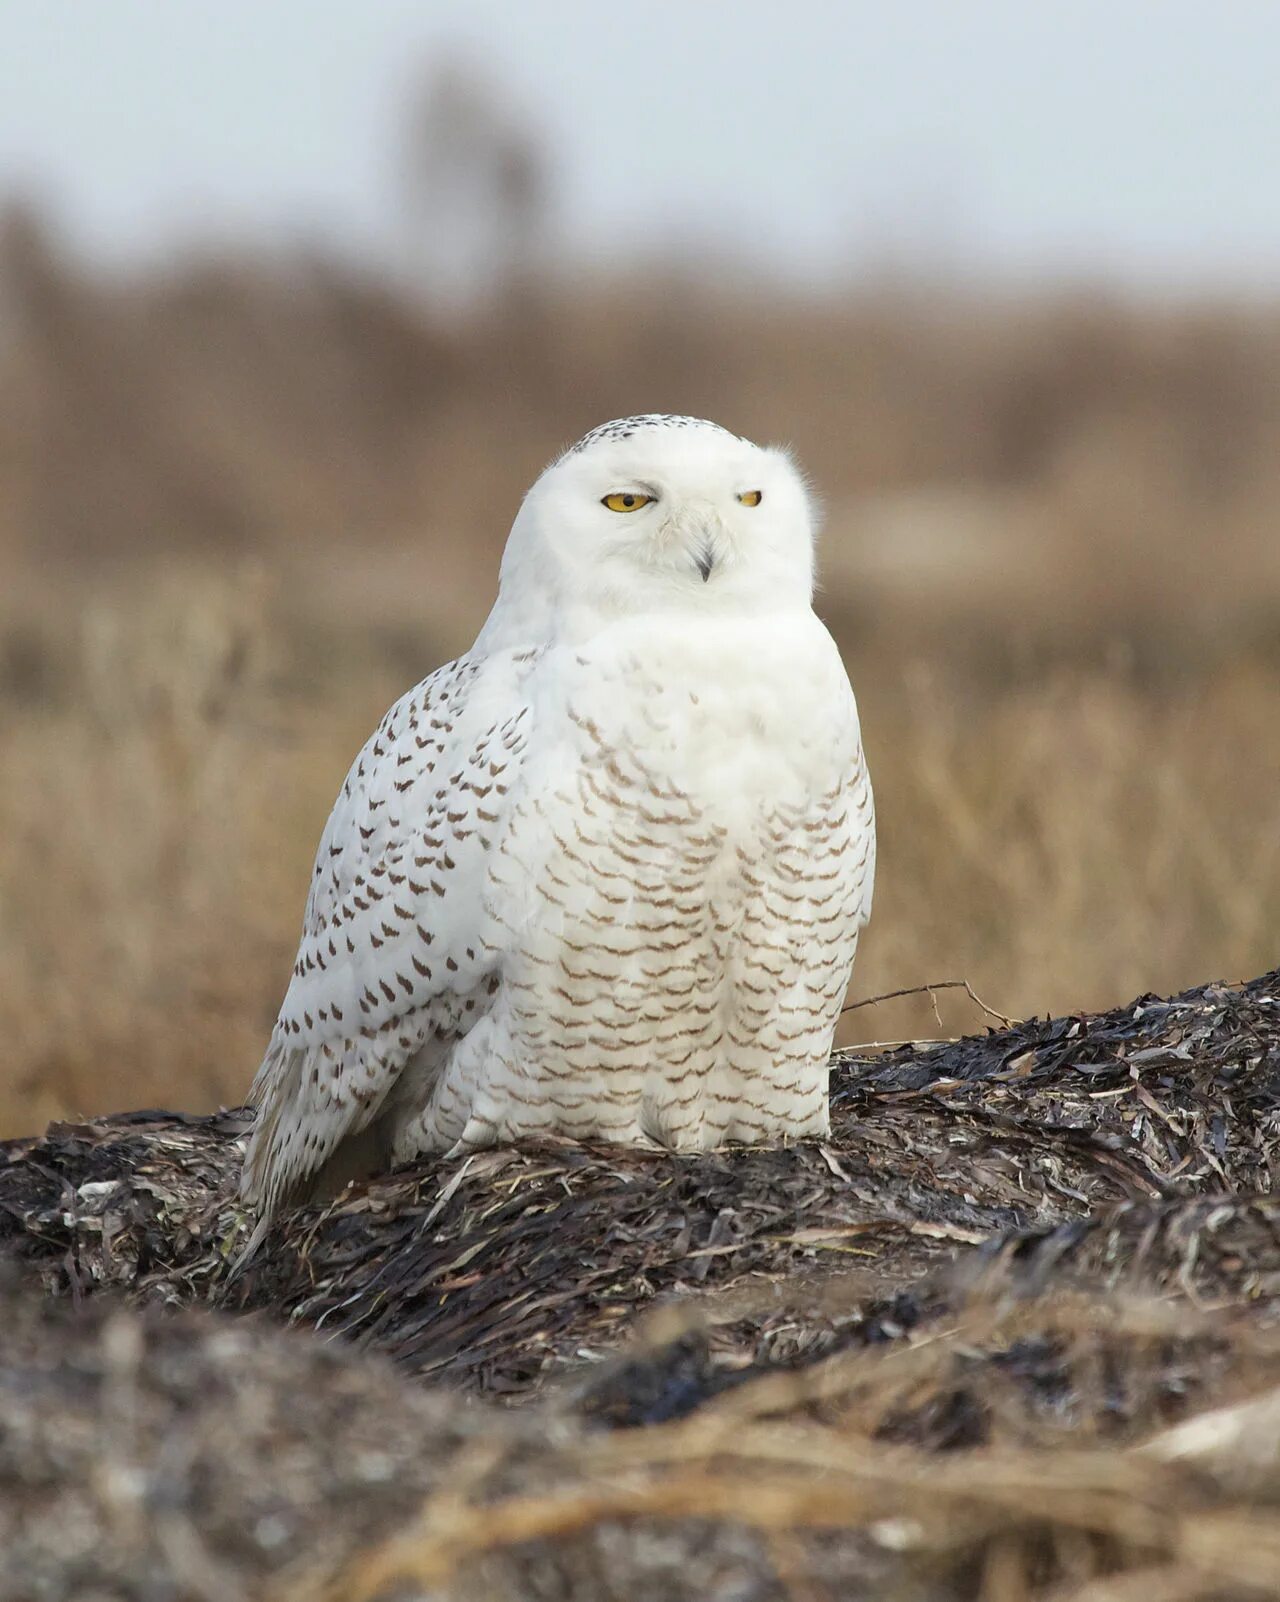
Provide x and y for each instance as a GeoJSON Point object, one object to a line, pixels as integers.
{"type": "Point", "coordinates": [697, 536]}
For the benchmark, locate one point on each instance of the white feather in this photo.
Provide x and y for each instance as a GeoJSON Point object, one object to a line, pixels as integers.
{"type": "Point", "coordinates": [603, 875]}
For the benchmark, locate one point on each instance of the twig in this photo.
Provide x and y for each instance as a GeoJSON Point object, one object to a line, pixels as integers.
{"type": "Point", "coordinates": [928, 990]}
{"type": "Point", "coordinates": [890, 1045]}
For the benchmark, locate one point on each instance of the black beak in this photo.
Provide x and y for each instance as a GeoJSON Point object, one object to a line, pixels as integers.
{"type": "Point", "coordinates": [705, 561]}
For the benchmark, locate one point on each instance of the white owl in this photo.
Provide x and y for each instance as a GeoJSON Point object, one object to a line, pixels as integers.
{"type": "Point", "coordinates": [603, 876]}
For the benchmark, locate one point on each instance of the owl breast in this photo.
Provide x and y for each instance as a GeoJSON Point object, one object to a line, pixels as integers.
{"type": "Point", "coordinates": [682, 895]}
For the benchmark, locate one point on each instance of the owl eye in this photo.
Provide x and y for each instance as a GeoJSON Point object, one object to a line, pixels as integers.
{"type": "Point", "coordinates": [625, 501]}
{"type": "Point", "coordinates": [751, 497]}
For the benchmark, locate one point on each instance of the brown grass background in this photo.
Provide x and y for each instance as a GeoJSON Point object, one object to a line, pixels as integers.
{"type": "Point", "coordinates": [245, 501]}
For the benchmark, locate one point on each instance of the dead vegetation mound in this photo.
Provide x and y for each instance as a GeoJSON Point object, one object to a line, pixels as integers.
{"type": "Point", "coordinates": [1011, 1333]}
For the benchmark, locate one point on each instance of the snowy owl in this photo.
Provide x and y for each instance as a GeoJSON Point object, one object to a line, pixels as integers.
{"type": "Point", "coordinates": [603, 876]}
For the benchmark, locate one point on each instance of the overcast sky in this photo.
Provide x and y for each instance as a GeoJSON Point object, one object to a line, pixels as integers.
{"type": "Point", "coordinates": [1135, 138]}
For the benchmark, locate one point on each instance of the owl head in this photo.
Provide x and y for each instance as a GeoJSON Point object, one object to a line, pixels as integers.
{"type": "Point", "coordinates": [662, 512]}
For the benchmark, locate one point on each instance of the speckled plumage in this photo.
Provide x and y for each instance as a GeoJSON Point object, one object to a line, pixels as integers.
{"type": "Point", "coordinates": [604, 875]}
{"type": "Point", "coordinates": [621, 428]}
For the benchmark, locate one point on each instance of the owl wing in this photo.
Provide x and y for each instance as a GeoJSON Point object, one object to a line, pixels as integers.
{"type": "Point", "coordinates": [397, 946]}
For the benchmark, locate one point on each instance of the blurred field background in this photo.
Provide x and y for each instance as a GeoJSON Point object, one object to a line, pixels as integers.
{"type": "Point", "coordinates": [249, 492]}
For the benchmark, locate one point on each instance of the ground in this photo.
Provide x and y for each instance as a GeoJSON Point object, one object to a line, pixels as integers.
{"type": "Point", "coordinates": [1011, 1333]}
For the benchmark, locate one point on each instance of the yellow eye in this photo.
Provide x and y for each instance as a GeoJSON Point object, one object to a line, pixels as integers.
{"type": "Point", "coordinates": [625, 501]}
{"type": "Point", "coordinates": [751, 497]}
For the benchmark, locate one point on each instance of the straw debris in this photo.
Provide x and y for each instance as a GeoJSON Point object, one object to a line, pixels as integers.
{"type": "Point", "coordinates": [1012, 1334]}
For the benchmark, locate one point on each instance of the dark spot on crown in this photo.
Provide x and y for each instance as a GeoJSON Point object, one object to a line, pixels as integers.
{"type": "Point", "coordinates": [628, 427]}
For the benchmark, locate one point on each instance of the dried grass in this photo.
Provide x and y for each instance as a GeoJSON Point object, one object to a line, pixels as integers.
{"type": "Point", "coordinates": [244, 504]}
{"type": "Point", "coordinates": [1060, 842]}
